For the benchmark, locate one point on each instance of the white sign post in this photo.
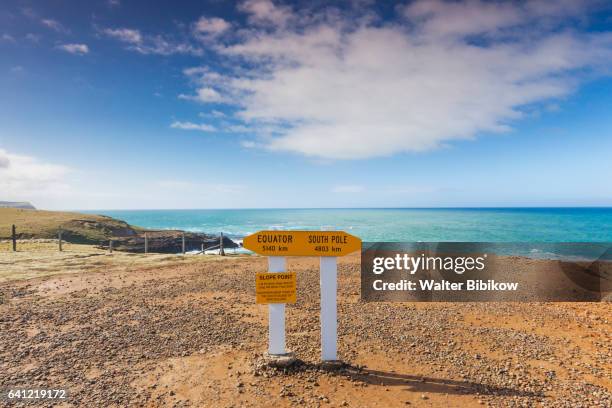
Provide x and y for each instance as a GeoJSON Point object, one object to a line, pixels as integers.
{"type": "Point", "coordinates": [276, 313]}
{"type": "Point", "coordinates": [329, 308]}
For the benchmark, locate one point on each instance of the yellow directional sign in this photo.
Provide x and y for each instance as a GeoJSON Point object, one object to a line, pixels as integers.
{"type": "Point", "coordinates": [276, 287]}
{"type": "Point", "coordinates": [302, 243]}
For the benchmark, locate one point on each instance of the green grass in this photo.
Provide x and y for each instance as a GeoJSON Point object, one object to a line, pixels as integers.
{"type": "Point", "coordinates": [77, 228]}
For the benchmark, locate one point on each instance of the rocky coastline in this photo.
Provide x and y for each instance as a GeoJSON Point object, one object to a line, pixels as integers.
{"type": "Point", "coordinates": [168, 242]}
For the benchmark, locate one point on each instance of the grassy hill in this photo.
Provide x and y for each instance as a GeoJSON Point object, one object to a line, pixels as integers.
{"type": "Point", "coordinates": [77, 228]}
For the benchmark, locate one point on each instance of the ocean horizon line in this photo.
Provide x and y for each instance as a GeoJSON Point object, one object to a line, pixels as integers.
{"type": "Point", "coordinates": [345, 208]}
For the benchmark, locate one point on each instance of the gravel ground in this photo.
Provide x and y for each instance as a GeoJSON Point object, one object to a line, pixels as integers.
{"type": "Point", "coordinates": [190, 334]}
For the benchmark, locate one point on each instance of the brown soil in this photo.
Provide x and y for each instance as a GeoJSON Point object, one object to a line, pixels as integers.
{"type": "Point", "coordinates": [187, 332]}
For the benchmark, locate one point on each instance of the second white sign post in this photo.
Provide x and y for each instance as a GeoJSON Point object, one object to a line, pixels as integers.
{"type": "Point", "coordinates": [329, 308]}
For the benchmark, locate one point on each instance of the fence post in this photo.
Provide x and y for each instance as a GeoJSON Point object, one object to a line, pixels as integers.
{"type": "Point", "coordinates": [59, 239]}
{"type": "Point", "coordinates": [146, 243]}
{"type": "Point", "coordinates": [221, 251]}
{"type": "Point", "coordinates": [110, 246]}
{"type": "Point", "coordinates": [183, 242]}
{"type": "Point", "coordinates": [202, 248]}
{"type": "Point", "coordinates": [14, 237]}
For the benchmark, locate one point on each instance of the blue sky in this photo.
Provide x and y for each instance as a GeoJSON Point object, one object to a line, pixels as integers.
{"type": "Point", "coordinates": [258, 104]}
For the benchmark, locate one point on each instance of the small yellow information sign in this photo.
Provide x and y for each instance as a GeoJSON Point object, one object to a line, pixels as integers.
{"type": "Point", "coordinates": [302, 243]}
{"type": "Point", "coordinates": [277, 287]}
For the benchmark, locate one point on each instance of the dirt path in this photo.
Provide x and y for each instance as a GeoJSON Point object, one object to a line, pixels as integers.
{"type": "Point", "coordinates": [188, 333]}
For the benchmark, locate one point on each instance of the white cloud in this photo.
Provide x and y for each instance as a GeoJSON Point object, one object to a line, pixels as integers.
{"type": "Point", "coordinates": [155, 44]}
{"type": "Point", "coordinates": [7, 38]}
{"type": "Point", "coordinates": [77, 49]}
{"type": "Point", "coordinates": [471, 17]}
{"type": "Point", "coordinates": [464, 17]}
{"type": "Point", "coordinates": [210, 27]}
{"type": "Point", "coordinates": [217, 114]}
{"type": "Point", "coordinates": [54, 25]}
{"type": "Point", "coordinates": [214, 86]}
{"type": "Point", "coordinates": [248, 144]}
{"type": "Point", "coordinates": [193, 126]}
{"type": "Point", "coordinates": [126, 35]}
{"type": "Point", "coordinates": [113, 3]}
{"type": "Point", "coordinates": [25, 177]}
{"type": "Point", "coordinates": [442, 71]}
{"type": "Point", "coordinates": [348, 189]}
{"type": "Point", "coordinates": [159, 45]}
{"type": "Point", "coordinates": [266, 12]}
{"type": "Point", "coordinates": [205, 95]}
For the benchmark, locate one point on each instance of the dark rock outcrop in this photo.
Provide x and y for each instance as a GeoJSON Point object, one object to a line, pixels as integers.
{"type": "Point", "coordinates": [168, 242]}
{"type": "Point", "coordinates": [80, 230]}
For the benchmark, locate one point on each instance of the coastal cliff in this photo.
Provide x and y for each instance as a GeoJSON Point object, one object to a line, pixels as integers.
{"type": "Point", "coordinates": [98, 230]}
{"type": "Point", "coordinates": [17, 204]}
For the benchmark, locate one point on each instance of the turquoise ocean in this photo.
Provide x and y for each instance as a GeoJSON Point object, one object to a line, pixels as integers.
{"type": "Point", "coordinates": [394, 224]}
{"type": "Point", "coordinates": [511, 225]}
